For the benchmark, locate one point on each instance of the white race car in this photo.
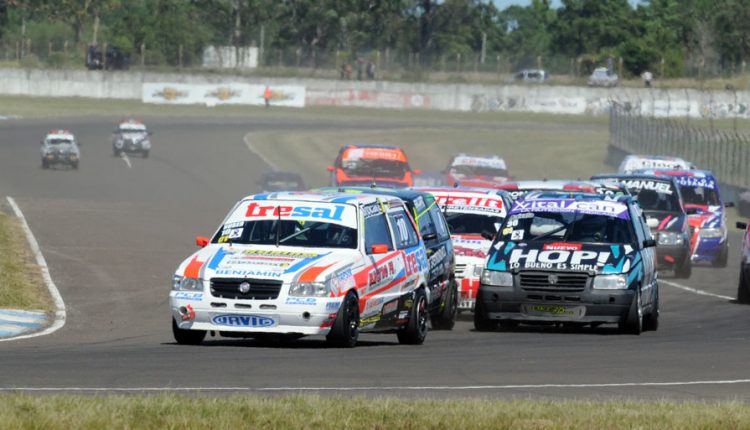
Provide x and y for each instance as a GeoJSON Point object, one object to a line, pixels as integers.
{"type": "Point", "coordinates": [297, 264]}
{"type": "Point", "coordinates": [474, 215]}
{"type": "Point", "coordinates": [631, 163]}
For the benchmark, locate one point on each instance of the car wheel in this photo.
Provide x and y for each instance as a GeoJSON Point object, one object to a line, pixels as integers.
{"type": "Point", "coordinates": [74, 165]}
{"type": "Point", "coordinates": [743, 289]}
{"type": "Point", "coordinates": [117, 152]}
{"type": "Point", "coordinates": [633, 322]}
{"type": "Point", "coordinates": [145, 154]}
{"type": "Point", "coordinates": [723, 258]}
{"type": "Point", "coordinates": [481, 322]}
{"type": "Point", "coordinates": [415, 331]}
{"type": "Point", "coordinates": [447, 317]}
{"type": "Point", "coordinates": [45, 164]}
{"type": "Point", "coordinates": [187, 337]}
{"type": "Point", "coordinates": [345, 330]}
{"type": "Point", "coordinates": [651, 320]}
{"type": "Point", "coordinates": [684, 271]}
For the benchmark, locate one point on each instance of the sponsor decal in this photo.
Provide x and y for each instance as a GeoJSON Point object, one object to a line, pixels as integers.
{"type": "Point", "coordinates": [306, 301]}
{"type": "Point", "coordinates": [290, 254]}
{"type": "Point", "coordinates": [186, 295]}
{"type": "Point", "coordinates": [416, 262]}
{"type": "Point", "coordinates": [170, 93]}
{"type": "Point", "coordinates": [390, 307]}
{"type": "Point", "coordinates": [599, 207]}
{"type": "Point", "coordinates": [380, 274]}
{"type": "Point", "coordinates": [497, 163]}
{"type": "Point", "coordinates": [640, 184]}
{"type": "Point", "coordinates": [516, 235]}
{"type": "Point", "coordinates": [459, 202]}
{"type": "Point", "coordinates": [190, 314]}
{"type": "Point", "coordinates": [371, 210]}
{"type": "Point", "coordinates": [437, 257]}
{"type": "Point", "coordinates": [692, 181]}
{"type": "Point", "coordinates": [557, 259]}
{"type": "Point", "coordinates": [331, 213]}
{"type": "Point", "coordinates": [372, 304]}
{"type": "Point", "coordinates": [249, 273]}
{"type": "Point", "coordinates": [224, 93]}
{"type": "Point", "coordinates": [333, 306]}
{"type": "Point", "coordinates": [231, 320]}
{"type": "Point", "coordinates": [563, 246]}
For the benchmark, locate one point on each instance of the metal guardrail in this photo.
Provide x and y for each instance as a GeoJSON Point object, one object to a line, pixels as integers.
{"type": "Point", "coordinates": [724, 152]}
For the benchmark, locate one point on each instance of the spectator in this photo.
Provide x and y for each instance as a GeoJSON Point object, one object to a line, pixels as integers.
{"type": "Point", "coordinates": [370, 70]}
{"type": "Point", "coordinates": [343, 71]}
{"type": "Point", "coordinates": [647, 78]}
{"type": "Point", "coordinates": [267, 96]}
{"type": "Point", "coordinates": [348, 71]}
{"type": "Point", "coordinates": [360, 68]}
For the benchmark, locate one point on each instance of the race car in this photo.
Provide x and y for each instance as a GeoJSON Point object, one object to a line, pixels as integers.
{"type": "Point", "coordinates": [280, 181]}
{"type": "Point", "coordinates": [60, 147]}
{"type": "Point", "coordinates": [295, 264]}
{"type": "Point", "coordinates": [518, 189]}
{"type": "Point", "coordinates": [743, 288]}
{"type": "Point", "coordinates": [476, 171]}
{"type": "Point", "coordinates": [666, 217]}
{"type": "Point", "coordinates": [364, 165]}
{"type": "Point", "coordinates": [706, 215]}
{"type": "Point", "coordinates": [571, 258]}
{"type": "Point", "coordinates": [473, 216]}
{"type": "Point", "coordinates": [632, 162]}
{"type": "Point", "coordinates": [132, 137]}
{"type": "Point", "coordinates": [437, 239]}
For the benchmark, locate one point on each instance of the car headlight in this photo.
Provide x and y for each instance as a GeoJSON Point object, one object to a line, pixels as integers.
{"type": "Point", "coordinates": [477, 272]}
{"type": "Point", "coordinates": [309, 289]}
{"type": "Point", "coordinates": [670, 238]}
{"type": "Point", "coordinates": [610, 282]}
{"type": "Point", "coordinates": [181, 283]}
{"type": "Point", "coordinates": [497, 279]}
{"type": "Point", "coordinates": [711, 233]}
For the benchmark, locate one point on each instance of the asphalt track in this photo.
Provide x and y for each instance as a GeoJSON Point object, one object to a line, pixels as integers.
{"type": "Point", "coordinates": [114, 231]}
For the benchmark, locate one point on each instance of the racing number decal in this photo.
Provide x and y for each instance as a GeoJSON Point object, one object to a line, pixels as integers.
{"type": "Point", "coordinates": [410, 261]}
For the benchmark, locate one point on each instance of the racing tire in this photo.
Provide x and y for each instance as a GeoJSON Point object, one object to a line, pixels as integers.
{"type": "Point", "coordinates": [45, 164]}
{"type": "Point", "coordinates": [481, 322]}
{"type": "Point", "coordinates": [633, 322]}
{"type": "Point", "coordinates": [723, 259]}
{"type": "Point", "coordinates": [651, 320]}
{"type": "Point", "coordinates": [345, 330]}
{"type": "Point", "coordinates": [684, 271]}
{"type": "Point", "coordinates": [74, 165]}
{"type": "Point", "coordinates": [145, 154]}
{"type": "Point", "coordinates": [446, 319]}
{"type": "Point", "coordinates": [415, 331]}
{"type": "Point", "coordinates": [187, 337]}
{"type": "Point", "coordinates": [117, 152]}
{"type": "Point", "coordinates": [743, 290]}
{"type": "Point", "coordinates": [508, 324]}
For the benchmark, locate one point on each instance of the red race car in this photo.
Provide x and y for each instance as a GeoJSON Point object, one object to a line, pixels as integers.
{"type": "Point", "coordinates": [363, 165]}
{"type": "Point", "coordinates": [484, 171]}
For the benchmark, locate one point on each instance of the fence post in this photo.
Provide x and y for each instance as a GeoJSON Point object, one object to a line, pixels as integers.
{"type": "Point", "coordinates": [49, 48]}
{"type": "Point", "coordinates": [143, 55]}
{"type": "Point", "coordinates": [179, 55]}
{"type": "Point", "coordinates": [458, 62]}
{"type": "Point", "coordinates": [65, 48]}
{"type": "Point", "coordinates": [387, 58]}
{"type": "Point", "coordinates": [18, 50]}
{"type": "Point", "coordinates": [104, 50]}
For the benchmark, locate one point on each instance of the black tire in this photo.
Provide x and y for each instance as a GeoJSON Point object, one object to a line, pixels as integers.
{"type": "Point", "coordinates": [743, 289]}
{"type": "Point", "coordinates": [117, 152]}
{"type": "Point", "coordinates": [508, 324]}
{"type": "Point", "coordinates": [684, 271]}
{"type": "Point", "coordinates": [446, 319]}
{"type": "Point", "coordinates": [633, 322]}
{"type": "Point", "coordinates": [723, 259]}
{"type": "Point", "coordinates": [345, 330]}
{"type": "Point", "coordinates": [187, 337]}
{"type": "Point", "coordinates": [145, 154]}
{"type": "Point", "coordinates": [415, 331]}
{"type": "Point", "coordinates": [651, 320]}
{"type": "Point", "coordinates": [45, 164]}
{"type": "Point", "coordinates": [74, 165]}
{"type": "Point", "coordinates": [481, 322]}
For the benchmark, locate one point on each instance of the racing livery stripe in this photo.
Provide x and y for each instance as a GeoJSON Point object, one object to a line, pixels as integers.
{"type": "Point", "coordinates": [664, 222]}
{"type": "Point", "coordinates": [193, 268]}
{"type": "Point", "coordinates": [312, 273]}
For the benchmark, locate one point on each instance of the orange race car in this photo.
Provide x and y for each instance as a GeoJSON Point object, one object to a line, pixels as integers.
{"type": "Point", "coordinates": [363, 165]}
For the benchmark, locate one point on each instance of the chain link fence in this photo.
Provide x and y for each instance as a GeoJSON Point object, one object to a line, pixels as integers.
{"type": "Point", "coordinates": [724, 152]}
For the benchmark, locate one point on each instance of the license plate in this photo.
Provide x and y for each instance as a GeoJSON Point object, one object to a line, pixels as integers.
{"type": "Point", "coordinates": [553, 310]}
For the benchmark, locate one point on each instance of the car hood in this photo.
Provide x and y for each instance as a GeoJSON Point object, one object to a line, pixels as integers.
{"type": "Point", "coordinates": [133, 136]}
{"type": "Point", "coordinates": [285, 264]}
{"type": "Point", "coordinates": [63, 147]}
{"type": "Point", "coordinates": [579, 257]}
{"type": "Point", "coordinates": [664, 221]}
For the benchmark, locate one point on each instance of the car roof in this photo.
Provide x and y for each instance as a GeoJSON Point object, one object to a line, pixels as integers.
{"type": "Point", "coordinates": [638, 175]}
{"type": "Point", "coordinates": [467, 190]}
{"type": "Point", "coordinates": [677, 173]}
{"type": "Point", "coordinates": [499, 161]}
{"type": "Point", "coordinates": [566, 195]}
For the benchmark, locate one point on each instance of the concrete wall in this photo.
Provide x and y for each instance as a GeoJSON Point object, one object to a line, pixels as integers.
{"type": "Point", "coordinates": [377, 94]}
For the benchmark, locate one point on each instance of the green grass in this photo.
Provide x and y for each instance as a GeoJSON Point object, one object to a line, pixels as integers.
{"type": "Point", "coordinates": [21, 285]}
{"type": "Point", "coordinates": [315, 412]}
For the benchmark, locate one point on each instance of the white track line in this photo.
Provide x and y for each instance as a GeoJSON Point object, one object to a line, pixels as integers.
{"type": "Point", "coordinates": [56, 297]}
{"type": "Point", "coordinates": [391, 388]}
{"type": "Point", "coordinates": [260, 155]}
{"type": "Point", "coordinates": [695, 290]}
{"type": "Point", "coordinates": [126, 159]}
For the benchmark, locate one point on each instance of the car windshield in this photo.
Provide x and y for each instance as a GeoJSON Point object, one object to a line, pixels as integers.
{"type": "Point", "coordinates": [464, 223]}
{"type": "Point", "coordinates": [375, 168]}
{"type": "Point", "coordinates": [655, 196]}
{"type": "Point", "coordinates": [308, 234]}
{"type": "Point", "coordinates": [478, 171]}
{"type": "Point", "coordinates": [702, 196]}
{"type": "Point", "coordinates": [132, 129]}
{"type": "Point", "coordinates": [566, 227]}
{"type": "Point", "coordinates": [58, 141]}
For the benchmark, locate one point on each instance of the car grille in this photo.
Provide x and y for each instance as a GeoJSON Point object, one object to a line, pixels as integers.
{"type": "Point", "coordinates": [565, 283]}
{"type": "Point", "coordinates": [260, 289]}
{"type": "Point", "coordinates": [460, 271]}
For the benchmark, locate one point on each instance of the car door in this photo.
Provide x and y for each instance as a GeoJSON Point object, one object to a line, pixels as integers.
{"type": "Point", "coordinates": [384, 264]}
{"type": "Point", "coordinates": [648, 255]}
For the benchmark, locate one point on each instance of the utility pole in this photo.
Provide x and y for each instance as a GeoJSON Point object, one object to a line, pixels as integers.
{"type": "Point", "coordinates": [484, 47]}
{"type": "Point", "coordinates": [262, 44]}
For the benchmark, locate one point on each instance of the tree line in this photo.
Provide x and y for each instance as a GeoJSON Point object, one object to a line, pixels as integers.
{"type": "Point", "coordinates": [671, 37]}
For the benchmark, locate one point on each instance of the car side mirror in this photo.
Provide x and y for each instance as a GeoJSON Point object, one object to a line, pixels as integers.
{"type": "Point", "coordinates": [729, 204]}
{"type": "Point", "coordinates": [379, 249]}
{"type": "Point", "coordinates": [201, 241]}
{"type": "Point", "coordinates": [488, 236]}
{"type": "Point", "coordinates": [330, 168]}
{"type": "Point", "coordinates": [691, 211]}
{"type": "Point", "coordinates": [741, 225]}
{"type": "Point", "coordinates": [429, 236]}
{"type": "Point", "coordinates": [649, 243]}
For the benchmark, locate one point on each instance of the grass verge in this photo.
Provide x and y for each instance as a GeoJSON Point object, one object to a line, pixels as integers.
{"type": "Point", "coordinates": [312, 412]}
{"type": "Point", "coordinates": [21, 286]}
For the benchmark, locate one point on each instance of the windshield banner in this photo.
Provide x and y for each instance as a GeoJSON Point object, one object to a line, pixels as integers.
{"type": "Point", "coordinates": [496, 163]}
{"type": "Point", "coordinates": [345, 215]}
{"type": "Point", "coordinates": [588, 207]}
{"type": "Point", "coordinates": [470, 202]}
{"type": "Point", "coordinates": [696, 182]}
{"type": "Point", "coordinates": [645, 184]}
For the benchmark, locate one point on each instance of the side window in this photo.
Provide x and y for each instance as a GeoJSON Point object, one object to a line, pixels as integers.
{"type": "Point", "coordinates": [440, 225]}
{"type": "Point", "coordinates": [638, 225]}
{"type": "Point", "coordinates": [376, 232]}
{"type": "Point", "coordinates": [426, 225]}
{"type": "Point", "coordinates": [403, 230]}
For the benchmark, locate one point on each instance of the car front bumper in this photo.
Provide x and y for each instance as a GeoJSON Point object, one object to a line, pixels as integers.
{"type": "Point", "coordinates": [670, 257]}
{"type": "Point", "coordinates": [708, 250]}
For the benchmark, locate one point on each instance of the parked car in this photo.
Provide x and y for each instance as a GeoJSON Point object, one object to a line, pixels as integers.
{"type": "Point", "coordinates": [441, 282]}
{"type": "Point", "coordinates": [535, 76]}
{"type": "Point", "coordinates": [575, 259]}
{"type": "Point", "coordinates": [276, 181]}
{"type": "Point", "coordinates": [60, 147]}
{"type": "Point", "coordinates": [602, 77]}
{"type": "Point", "coordinates": [296, 264]}
{"type": "Point", "coordinates": [364, 165]}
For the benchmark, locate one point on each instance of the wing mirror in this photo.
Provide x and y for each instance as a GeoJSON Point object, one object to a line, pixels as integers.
{"type": "Point", "coordinates": [729, 204]}
{"type": "Point", "coordinates": [330, 168]}
{"type": "Point", "coordinates": [741, 225]}
{"type": "Point", "coordinates": [649, 243]}
{"type": "Point", "coordinates": [201, 241]}
{"type": "Point", "coordinates": [379, 249]}
{"type": "Point", "coordinates": [488, 235]}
